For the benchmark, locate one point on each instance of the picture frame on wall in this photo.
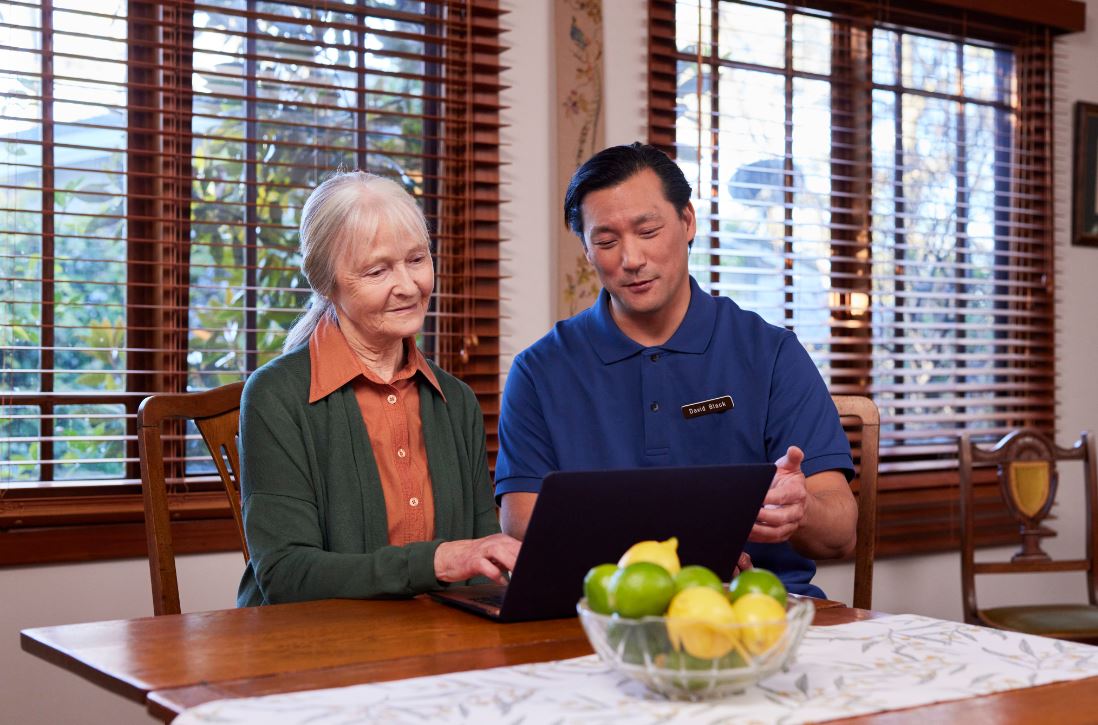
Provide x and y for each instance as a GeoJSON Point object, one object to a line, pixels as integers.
{"type": "Point", "coordinates": [1085, 186]}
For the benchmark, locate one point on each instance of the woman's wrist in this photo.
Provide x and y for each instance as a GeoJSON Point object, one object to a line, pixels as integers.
{"type": "Point", "coordinates": [442, 558]}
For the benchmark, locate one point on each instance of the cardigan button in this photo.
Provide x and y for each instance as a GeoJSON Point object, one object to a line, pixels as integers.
{"type": "Point", "coordinates": [413, 502]}
{"type": "Point", "coordinates": [401, 453]}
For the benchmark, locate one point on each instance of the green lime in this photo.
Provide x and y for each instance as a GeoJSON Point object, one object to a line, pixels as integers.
{"type": "Point", "coordinates": [641, 590]}
{"type": "Point", "coordinates": [697, 576]}
{"type": "Point", "coordinates": [757, 580]}
{"type": "Point", "coordinates": [636, 641]}
{"type": "Point", "coordinates": [682, 664]}
{"type": "Point", "coordinates": [731, 660]}
{"type": "Point", "coordinates": [676, 660]}
{"type": "Point", "coordinates": [596, 589]}
{"type": "Point", "coordinates": [683, 661]}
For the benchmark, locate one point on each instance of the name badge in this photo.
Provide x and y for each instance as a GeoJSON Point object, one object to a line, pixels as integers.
{"type": "Point", "coordinates": [708, 407]}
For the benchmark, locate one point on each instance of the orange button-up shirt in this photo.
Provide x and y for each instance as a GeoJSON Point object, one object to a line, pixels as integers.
{"type": "Point", "coordinates": [392, 417]}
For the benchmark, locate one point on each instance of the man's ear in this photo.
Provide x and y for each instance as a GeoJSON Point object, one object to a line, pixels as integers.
{"type": "Point", "coordinates": [689, 217]}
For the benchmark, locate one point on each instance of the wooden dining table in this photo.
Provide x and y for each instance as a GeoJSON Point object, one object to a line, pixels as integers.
{"type": "Point", "coordinates": [174, 662]}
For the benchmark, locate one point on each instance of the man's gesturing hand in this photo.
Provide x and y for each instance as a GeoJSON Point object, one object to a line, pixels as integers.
{"type": "Point", "coordinates": [784, 507]}
{"type": "Point", "coordinates": [742, 565]}
{"type": "Point", "coordinates": [492, 556]}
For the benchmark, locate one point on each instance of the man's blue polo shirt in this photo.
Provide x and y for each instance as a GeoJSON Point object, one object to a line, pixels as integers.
{"type": "Point", "coordinates": [586, 396]}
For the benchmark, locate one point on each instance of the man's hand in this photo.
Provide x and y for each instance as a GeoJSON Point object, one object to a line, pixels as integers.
{"type": "Point", "coordinates": [492, 556]}
{"type": "Point", "coordinates": [742, 565]}
{"type": "Point", "coordinates": [783, 509]}
{"type": "Point", "coordinates": [818, 515]}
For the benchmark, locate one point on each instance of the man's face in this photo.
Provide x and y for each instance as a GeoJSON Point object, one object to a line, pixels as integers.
{"type": "Point", "coordinates": [638, 245]}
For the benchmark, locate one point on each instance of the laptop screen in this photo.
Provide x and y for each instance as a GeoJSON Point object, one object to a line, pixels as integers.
{"type": "Point", "coordinates": [585, 518]}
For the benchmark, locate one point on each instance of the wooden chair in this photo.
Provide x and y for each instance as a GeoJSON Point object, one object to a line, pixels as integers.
{"type": "Point", "coordinates": [862, 421]}
{"type": "Point", "coordinates": [216, 413]}
{"type": "Point", "coordinates": [1028, 481]}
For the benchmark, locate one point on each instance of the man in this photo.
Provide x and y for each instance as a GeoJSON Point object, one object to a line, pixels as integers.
{"type": "Point", "coordinates": [622, 384]}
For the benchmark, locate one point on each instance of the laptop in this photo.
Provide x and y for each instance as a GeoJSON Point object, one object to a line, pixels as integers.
{"type": "Point", "coordinates": [584, 518]}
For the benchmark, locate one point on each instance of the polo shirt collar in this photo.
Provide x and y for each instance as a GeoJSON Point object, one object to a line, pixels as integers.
{"type": "Point", "coordinates": [692, 336]}
{"type": "Point", "coordinates": [696, 329]}
{"type": "Point", "coordinates": [333, 363]}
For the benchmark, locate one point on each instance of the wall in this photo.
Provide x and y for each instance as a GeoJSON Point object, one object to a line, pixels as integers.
{"type": "Point", "coordinates": [530, 177]}
{"type": "Point", "coordinates": [35, 692]}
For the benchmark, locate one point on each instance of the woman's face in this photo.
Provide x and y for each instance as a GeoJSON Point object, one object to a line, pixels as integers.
{"type": "Point", "coordinates": [382, 288]}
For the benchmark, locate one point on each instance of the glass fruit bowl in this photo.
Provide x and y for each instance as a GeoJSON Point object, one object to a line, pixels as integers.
{"type": "Point", "coordinates": [657, 655]}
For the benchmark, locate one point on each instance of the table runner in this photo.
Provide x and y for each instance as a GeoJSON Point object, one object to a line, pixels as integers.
{"type": "Point", "coordinates": [844, 670]}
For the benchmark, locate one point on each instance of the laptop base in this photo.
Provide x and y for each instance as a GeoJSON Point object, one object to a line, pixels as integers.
{"type": "Point", "coordinates": [483, 599]}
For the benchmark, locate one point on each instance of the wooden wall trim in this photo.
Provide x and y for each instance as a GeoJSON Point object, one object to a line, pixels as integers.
{"type": "Point", "coordinates": [1066, 16]}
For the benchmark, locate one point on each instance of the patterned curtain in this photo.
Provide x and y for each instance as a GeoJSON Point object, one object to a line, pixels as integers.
{"type": "Point", "coordinates": [580, 133]}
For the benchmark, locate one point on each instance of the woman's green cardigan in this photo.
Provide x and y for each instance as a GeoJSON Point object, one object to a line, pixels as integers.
{"type": "Point", "coordinates": [314, 511]}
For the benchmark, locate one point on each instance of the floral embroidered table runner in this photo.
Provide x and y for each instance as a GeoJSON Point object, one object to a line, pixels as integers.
{"type": "Point", "coordinates": [850, 669]}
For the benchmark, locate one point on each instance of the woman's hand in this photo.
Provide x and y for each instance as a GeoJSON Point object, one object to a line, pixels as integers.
{"type": "Point", "coordinates": [493, 556]}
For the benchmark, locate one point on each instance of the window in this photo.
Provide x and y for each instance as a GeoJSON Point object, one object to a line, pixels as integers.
{"type": "Point", "coordinates": [878, 181]}
{"type": "Point", "coordinates": [156, 156]}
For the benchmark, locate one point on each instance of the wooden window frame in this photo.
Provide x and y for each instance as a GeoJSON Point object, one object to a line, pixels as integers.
{"type": "Point", "coordinates": [67, 523]}
{"type": "Point", "coordinates": [918, 511]}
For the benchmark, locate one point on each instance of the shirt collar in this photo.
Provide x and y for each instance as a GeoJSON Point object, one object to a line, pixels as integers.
{"type": "Point", "coordinates": [696, 329]}
{"type": "Point", "coordinates": [692, 336]}
{"type": "Point", "coordinates": [333, 363]}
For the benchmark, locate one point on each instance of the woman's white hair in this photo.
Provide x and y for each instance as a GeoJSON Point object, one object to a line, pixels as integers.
{"type": "Point", "coordinates": [349, 206]}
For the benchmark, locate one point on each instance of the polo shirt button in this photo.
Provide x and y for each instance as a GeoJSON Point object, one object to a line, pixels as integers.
{"type": "Point", "coordinates": [413, 502]}
{"type": "Point", "coordinates": [401, 453]}
{"type": "Point", "coordinates": [654, 357]}
{"type": "Point", "coordinates": [392, 399]}
{"type": "Point", "coordinates": [654, 407]}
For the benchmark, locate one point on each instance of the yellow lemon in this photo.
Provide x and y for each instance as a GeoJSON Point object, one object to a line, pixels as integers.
{"type": "Point", "coordinates": [664, 553]}
{"type": "Point", "coordinates": [761, 619]}
{"type": "Point", "coordinates": [701, 622]}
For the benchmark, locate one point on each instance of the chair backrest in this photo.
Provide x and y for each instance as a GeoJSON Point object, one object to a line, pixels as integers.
{"type": "Point", "coordinates": [1028, 480]}
{"type": "Point", "coordinates": [216, 413]}
{"type": "Point", "coordinates": [862, 422]}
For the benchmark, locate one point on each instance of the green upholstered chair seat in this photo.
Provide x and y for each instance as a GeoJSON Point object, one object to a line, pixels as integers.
{"type": "Point", "coordinates": [1063, 621]}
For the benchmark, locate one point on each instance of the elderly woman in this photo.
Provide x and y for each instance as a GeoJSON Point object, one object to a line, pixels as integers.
{"type": "Point", "coordinates": [364, 471]}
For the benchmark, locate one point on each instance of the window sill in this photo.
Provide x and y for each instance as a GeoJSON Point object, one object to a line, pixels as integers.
{"type": "Point", "coordinates": [101, 542]}
{"type": "Point", "coordinates": [97, 526]}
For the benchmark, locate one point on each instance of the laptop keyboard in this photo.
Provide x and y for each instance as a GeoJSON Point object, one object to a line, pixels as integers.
{"type": "Point", "coordinates": [493, 600]}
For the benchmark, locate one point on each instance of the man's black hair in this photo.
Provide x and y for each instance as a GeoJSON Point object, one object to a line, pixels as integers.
{"type": "Point", "coordinates": [615, 165]}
